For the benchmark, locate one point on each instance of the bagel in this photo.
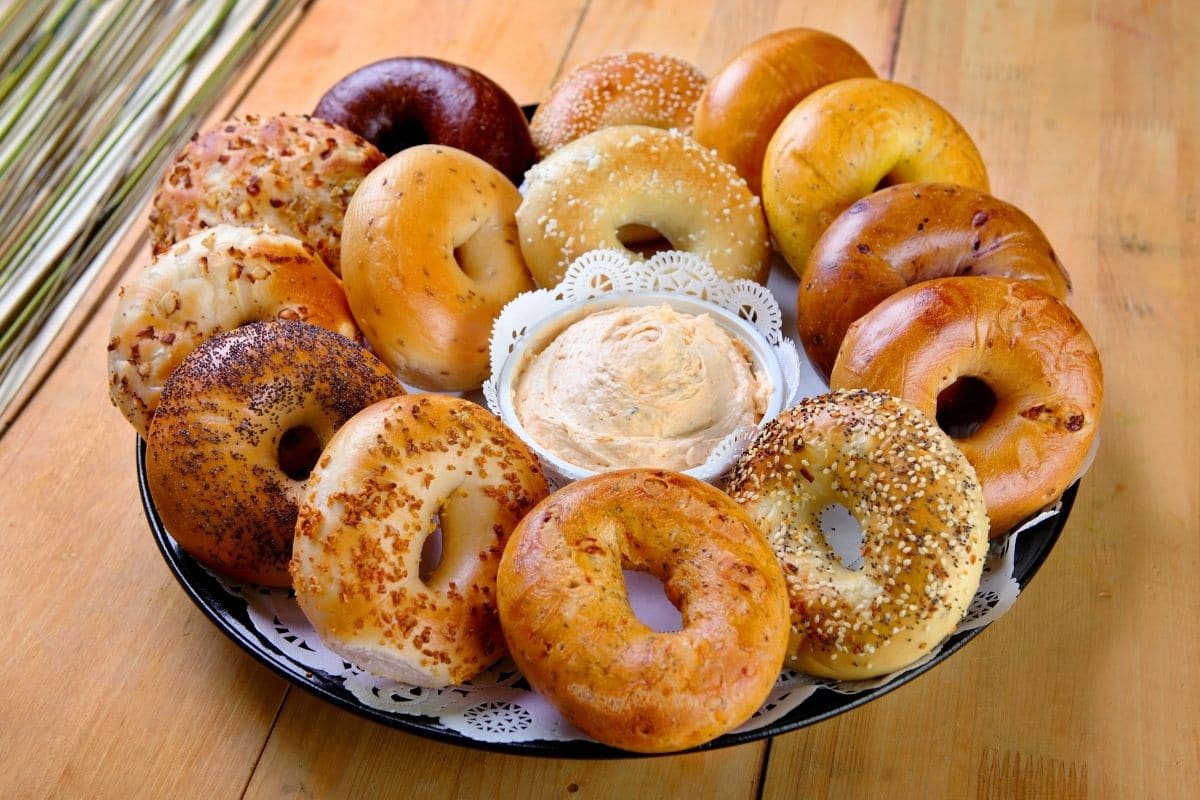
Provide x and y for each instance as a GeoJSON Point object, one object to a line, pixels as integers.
{"type": "Point", "coordinates": [402, 102]}
{"type": "Point", "coordinates": [922, 516]}
{"type": "Point", "coordinates": [583, 195]}
{"type": "Point", "coordinates": [909, 233]}
{"type": "Point", "coordinates": [384, 483]}
{"type": "Point", "coordinates": [241, 422]}
{"type": "Point", "coordinates": [744, 103]}
{"type": "Point", "coordinates": [213, 281]}
{"type": "Point", "coordinates": [430, 258]}
{"type": "Point", "coordinates": [1029, 350]}
{"type": "Point", "coordinates": [575, 638]}
{"type": "Point", "coordinates": [845, 139]}
{"type": "Point", "coordinates": [292, 173]}
{"type": "Point", "coordinates": [620, 89]}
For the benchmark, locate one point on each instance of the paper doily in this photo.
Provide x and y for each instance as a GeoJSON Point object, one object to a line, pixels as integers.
{"type": "Point", "coordinates": [611, 273]}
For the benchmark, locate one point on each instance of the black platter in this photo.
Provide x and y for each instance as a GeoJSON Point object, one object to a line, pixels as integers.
{"type": "Point", "coordinates": [229, 614]}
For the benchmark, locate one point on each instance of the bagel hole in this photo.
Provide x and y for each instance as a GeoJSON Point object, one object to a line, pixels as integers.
{"type": "Point", "coordinates": [402, 135]}
{"type": "Point", "coordinates": [648, 598]}
{"type": "Point", "coordinates": [843, 534]}
{"type": "Point", "coordinates": [299, 449]}
{"type": "Point", "coordinates": [643, 239]}
{"type": "Point", "coordinates": [431, 551]}
{"type": "Point", "coordinates": [963, 406]}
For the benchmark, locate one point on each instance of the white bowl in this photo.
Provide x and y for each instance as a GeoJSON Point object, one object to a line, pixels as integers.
{"type": "Point", "coordinates": [540, 334]}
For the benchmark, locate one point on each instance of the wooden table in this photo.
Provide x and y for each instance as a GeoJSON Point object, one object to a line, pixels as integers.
{"type": "Point", "coordinates": [115, 685]}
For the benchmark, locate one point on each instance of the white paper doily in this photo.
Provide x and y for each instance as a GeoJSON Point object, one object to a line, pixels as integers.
{"type": "Point", "coordinates": [612, 273]}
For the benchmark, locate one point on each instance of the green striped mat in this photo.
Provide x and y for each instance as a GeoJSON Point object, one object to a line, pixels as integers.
{"type": "Point", "coordinates": [95, 97]}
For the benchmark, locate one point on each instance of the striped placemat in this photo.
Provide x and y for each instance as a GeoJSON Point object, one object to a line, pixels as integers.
{"type": "Point", "coordinates": [95, 96]}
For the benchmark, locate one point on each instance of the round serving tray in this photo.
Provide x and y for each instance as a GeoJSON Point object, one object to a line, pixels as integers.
{"type": "Point", "coordinates": [229, 614]}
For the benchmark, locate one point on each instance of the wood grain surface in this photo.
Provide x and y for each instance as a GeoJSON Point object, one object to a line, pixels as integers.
{"type": "Point", "coordinates": [114, 685]}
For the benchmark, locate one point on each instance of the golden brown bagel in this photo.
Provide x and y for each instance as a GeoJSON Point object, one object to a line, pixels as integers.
{"type": "Point", "coordinates": [430, 257]}
{"type": "Point", "coordinates": [1024, 344]}
{"type": "Point", "coordinates": [619, 89]}
{"type": "Point", "coordinates": [581, 197]}
{"type": "Point", "coordinates": [293, 173]}
{"type": "Point", "coordinates": [575, 638]}
{"type": "Point", "coordinates": [386, 480]}
{"type": "Point", "coordinates": [213, 281]}
{"type": "Point", "coordinates": [745, 102]}
{"type": "Point", "coordinates": [923, 520]}
{"type": "Point", "coordinates": [910, 233]}
{"type": "Point", "coordinates": [839, 143]}
{"type": "Point", "coordinates": [241, 422]}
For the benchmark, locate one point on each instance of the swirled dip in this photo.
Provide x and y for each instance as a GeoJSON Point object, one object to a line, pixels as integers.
{"type": "Point", "coordinates": [639, 387]}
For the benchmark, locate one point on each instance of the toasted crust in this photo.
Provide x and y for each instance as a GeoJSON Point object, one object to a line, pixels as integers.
{"type": "Point", "coordinates": [383, 484]}
{"type": "Point", "coordinates": [211, 282]}
{"type": "Point", "coordinates": [1030, 350]}
{"type": "Point", "coordinates": [924, 529]}
{"type": "Point", "coordinates": [842, 141]}
{"type": "Point", "coordinates": [573, 634]}
{"type": "Point", "coordinates": [293, 173]}
{"type": "Point", "coordinates": [430, 258]}
{"type": "Point", "coordinates": [745, 102]}
{"type": "Point", "coordinates": [212, 454]}
{"type": "Point", "coordinates": [619, 89]}
{"type": "Point", "coordinates": [910, 233]}
{"type": "Point", "coordinates": [580, 197]}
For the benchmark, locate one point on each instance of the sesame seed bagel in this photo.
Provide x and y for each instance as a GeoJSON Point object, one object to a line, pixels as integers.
{"type": "Point", "coordinates": [572, 632]}
{"type": "Point", "coordinates": [293, 173]}
{"type": "Point", "coordinates": [923, 519]}
{"type": "Point", "coordinates": [905, 234]}
{"type": "Point", "coordinates": [384, 483]}
{"type": "Point", "coordinates": [1029, 350]}
{"type": "Point", "coordinates": [430, 258]}
{"type": "Point", "coordinates": [581, 197]}
{"type": "Point", "coordinates": [619, 89]}
{"type": "Point", "coordinates": [213, 281]}
{"type": "Point", "coordinates": [745, 102]}
{"type": "Point", "coordinates": [845, 139]}
{"type": "Point", "coordinates": [241, 422]}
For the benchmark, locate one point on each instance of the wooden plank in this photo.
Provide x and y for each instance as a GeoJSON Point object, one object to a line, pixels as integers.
{"type": "Point", "coordinates": [1087, 119]}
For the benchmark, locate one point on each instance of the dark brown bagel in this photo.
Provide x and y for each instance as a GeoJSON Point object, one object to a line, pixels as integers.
{"type": "Point", "coordinates": [910, 233]}
{"type": "Point", "coordinates": [402, 102]}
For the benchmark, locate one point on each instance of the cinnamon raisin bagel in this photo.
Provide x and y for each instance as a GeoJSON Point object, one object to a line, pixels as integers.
{"type": "Point", "coordinates": [213, 281]}
{"type": "Point", "coordinates": [744, 103]}
{"type": "Point", "coordinates": [403, 102]}
{"type": "Point", "coordinates": [922, 516]}
{"type": "Point", "coordinates": [845, 139]}
{"type": "Point", "coordinates": [1042, 375]}
{"type": "Point", "coordinates": [390, 476]}
{"type": "Point", "coordinates": [430, 257]}
{"type": "Point", "coordinates": [241, 422]}
{"type": "Point", "coordinates": [575, 638]}
{"type": "Point", "coordinates": [292, 173]}
{"type": "Point", "coordinates": [910, 233]}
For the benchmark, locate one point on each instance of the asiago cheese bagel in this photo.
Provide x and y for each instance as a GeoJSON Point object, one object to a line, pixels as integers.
{"type": "Point", "coordinates": [923, 519]}
{"type": "Point", "coordinates": [583, 195]}
{"type": "Point", "coordinates": [845, 139]}
{"type": "Point", "coordinates": [429, 258]}
{"type": "Point", "coordinates": [575, 638]}
{"type": "Point", "coordinates": [392, 475]}
{"type": "Point", "coordinates": [213, 281]}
